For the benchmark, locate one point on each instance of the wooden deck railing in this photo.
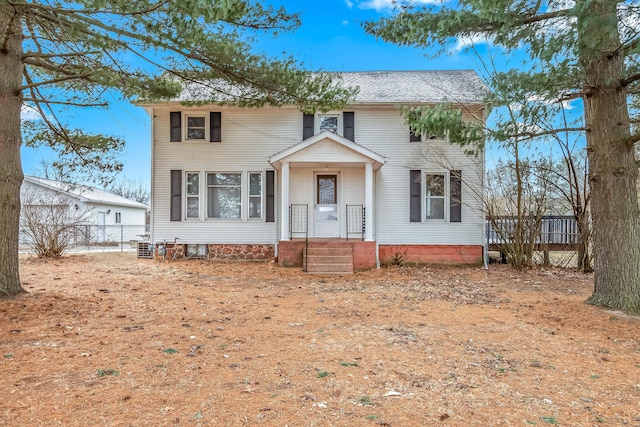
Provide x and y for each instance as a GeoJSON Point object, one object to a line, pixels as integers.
{"type": "Point", "coordinates": [559, 232]}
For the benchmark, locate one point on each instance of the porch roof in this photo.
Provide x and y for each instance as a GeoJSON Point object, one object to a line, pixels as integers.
{"type": "Point", "coordinates": [327, 149]}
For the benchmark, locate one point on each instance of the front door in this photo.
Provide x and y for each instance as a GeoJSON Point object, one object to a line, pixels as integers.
{"type": "Point", "coordinates": [326, 214]}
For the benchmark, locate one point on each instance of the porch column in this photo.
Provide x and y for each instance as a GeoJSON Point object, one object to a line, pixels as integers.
{"type": "Point", "coordinates": [368, 201]}
{"type": "Point", "coordinates": [284, 209]}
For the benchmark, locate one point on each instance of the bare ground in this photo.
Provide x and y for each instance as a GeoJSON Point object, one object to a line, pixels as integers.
{"type": "Point", "coordinates": [111, 340]}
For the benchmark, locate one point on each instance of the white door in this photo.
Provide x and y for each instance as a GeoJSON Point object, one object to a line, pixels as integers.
{"type": "Point", "coordinates": [101, 237]}
{"type": "Point", "coordinates": [326, 213]}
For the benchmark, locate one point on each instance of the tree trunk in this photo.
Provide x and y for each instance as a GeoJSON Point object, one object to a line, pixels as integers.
{"type": "Point", "coordinates": [612, 167]}
{"type": "Point", "coordinates": [10, 142]}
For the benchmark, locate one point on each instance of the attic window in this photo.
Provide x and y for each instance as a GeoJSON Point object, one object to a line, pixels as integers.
{"type": "Point", "coordinates": [328, 122]}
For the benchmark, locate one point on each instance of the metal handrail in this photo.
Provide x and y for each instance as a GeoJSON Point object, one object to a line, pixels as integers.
{"type": "Point", "coordinates": [355, 220]}
{"type": "Point", "coordinates": [299, 223]}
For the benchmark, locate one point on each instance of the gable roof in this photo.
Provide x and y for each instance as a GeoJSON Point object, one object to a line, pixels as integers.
{"type": "Point", "coordinates": [340, 142]}
{"type": "Point", "coordinates": [84, 192]}
{"type": "Point", "coordinates": [376, 87]}
{"type": "Point", "coordinates": [461, 86]}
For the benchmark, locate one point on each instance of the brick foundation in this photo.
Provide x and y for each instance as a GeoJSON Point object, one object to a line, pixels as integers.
{"type": "Point", "coordinates": [430, 254]}
{"type": "Point", "coordinates": [242, 252]}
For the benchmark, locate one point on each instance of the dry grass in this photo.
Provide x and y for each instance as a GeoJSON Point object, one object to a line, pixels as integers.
{"type": "Point", "coordinates": [259, 345]}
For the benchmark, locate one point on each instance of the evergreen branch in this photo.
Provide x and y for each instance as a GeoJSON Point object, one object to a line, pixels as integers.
{"type": "Point", "coordinates": [57, 80]}
{"type": "Point", "coordinates": [75, 104]}
{"type": "Point", "coordinates": [41, 55]}
{"type": "Point", "coordinates": [56, 128]}
{"type": "Point", "coordinates": [543, 17]}
{"type": "Point", "coordinates": [631, 79]}
{"type": "Point", "coordinates": [632, 139]}
{"type": "Point", "coordinates": [532, 135]}
{"type": "Point", "coordinates": [626, 47]}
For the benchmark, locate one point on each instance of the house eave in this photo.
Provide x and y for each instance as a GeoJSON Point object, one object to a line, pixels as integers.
{"type": "Point", "coordinates": [372, 157]}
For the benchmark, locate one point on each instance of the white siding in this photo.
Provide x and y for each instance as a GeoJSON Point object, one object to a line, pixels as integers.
{"type": "Point", "coordinates": [132, 220]}
{"type": "Point", "coordinates": [250, 137]}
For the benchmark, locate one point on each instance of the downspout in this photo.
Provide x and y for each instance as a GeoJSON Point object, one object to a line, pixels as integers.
{"type": "Point", "coordinates": [375, 217]}
{"type": "Point", "coordinates": [151, 113]}
{"type": "Point", "coordinates": [485, 228]}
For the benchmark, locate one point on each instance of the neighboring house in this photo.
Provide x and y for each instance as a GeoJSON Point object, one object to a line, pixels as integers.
{"type": "Point", "coordinates": [253, 183]}
{"type": "Point", "coordinates": [101, 216]}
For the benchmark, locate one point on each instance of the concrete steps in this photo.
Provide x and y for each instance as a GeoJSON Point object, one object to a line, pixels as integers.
{"type": "Point", "coordinates": [329, 259]}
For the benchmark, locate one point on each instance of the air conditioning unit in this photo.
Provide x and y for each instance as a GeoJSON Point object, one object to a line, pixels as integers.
{"type": "Point", "coordinates": [145, 250]}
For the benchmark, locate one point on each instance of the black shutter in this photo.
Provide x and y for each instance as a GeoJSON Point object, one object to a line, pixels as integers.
{"type": "Point", "coordinates": [215, 126]}
{"type": "Point", "coordinates": [415, 196]}
{"type": "Point", "coordinates": [176, 195]}
{"type": "Point", "coordinates": [455, 198]}
{"type": "Point", "coordinates": [348, 125]}
{"type": "Point", "coordinates": [413, 136]}
{"type": "Point", "coordinates": [175, 120]}
{"type": "Point", "coordinates": [270, 197]}
{"type": "Point", "coordinates": [307, 126]}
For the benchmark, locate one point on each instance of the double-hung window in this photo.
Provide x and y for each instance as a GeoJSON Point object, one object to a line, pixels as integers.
{"type": "Point", "coordinates": [196, 127]}
{"type": "Point", "coordinates": [255, 195]}
{"type": "Point", "coordinates": [224, 195]}
{"type": "Point", "coordinates": [193, 195]}
{"type": "Point", "coordinates": [435, 196]}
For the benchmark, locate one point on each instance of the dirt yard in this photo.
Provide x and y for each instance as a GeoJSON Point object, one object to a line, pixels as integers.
{"type": "Point", "coordinates": [112, 340]}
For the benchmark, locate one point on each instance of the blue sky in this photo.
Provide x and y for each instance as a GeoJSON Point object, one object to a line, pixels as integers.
{"type": "Point", "coordinates": [330, 38]}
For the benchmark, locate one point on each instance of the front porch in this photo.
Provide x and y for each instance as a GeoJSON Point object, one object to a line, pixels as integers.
{"type": "Point", "coordinates": [300, 252]}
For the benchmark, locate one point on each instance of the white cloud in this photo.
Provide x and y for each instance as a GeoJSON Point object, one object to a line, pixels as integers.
{"type": "Point", "coordinates": [29, 113]}
{"type": "Point", "coordinates": [349, 3]}
{"type": "Point", "coordinates": [382, 5]}
{"type": "Point", "coordinates": [345, 22]}
{"type": "Point", "coordinates": [468, 41]}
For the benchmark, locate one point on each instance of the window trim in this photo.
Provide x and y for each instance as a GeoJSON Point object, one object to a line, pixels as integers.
{"type": "Point", "coordinates": [185, 125]}
{"type": "Point", "coordinates": [187, 195]}
{"type": "Point", "coordinates": [337, 115]}
{"type": "Point", "coordinates": [419, 177]}
{"type": "Point", "coordinates": [444, 197]}
{"type": "Point", "coordinates": [261, 195]}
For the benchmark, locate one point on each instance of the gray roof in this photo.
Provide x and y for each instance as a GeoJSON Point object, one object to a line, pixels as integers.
{"type": "Point", "coordinates": [85, 193]}
{"type": "Point", "coordinates": [462, 86]}
{"type": "Point", "coordinates": [376, 87]}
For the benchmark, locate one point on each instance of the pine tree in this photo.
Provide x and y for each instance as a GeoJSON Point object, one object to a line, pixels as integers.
{"type": "Point", "coordinates": [67, 54]}
{"type": "Point", "coordinates": [582, 50]}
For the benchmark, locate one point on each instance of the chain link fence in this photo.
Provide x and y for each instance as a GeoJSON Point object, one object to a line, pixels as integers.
{"type": "Point", "coordinates": [99, 238]}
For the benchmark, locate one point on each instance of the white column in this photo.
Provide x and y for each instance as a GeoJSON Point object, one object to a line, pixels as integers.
{"type": "Point", "coordinates": [368, 201]}
{"type": "Point", "coordinates": [284, 208]}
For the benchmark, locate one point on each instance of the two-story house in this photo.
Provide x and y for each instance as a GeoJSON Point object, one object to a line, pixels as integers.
{"type": "Point", "coordinates": [254, 183]}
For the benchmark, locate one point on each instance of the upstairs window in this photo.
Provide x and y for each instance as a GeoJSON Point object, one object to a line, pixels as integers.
{"type": "Point", "coordinates": [196, 128]}
{"type": "Point", "coordinates": [328, 122]}
{"type": "Point", "coordinates": [342, 124]}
